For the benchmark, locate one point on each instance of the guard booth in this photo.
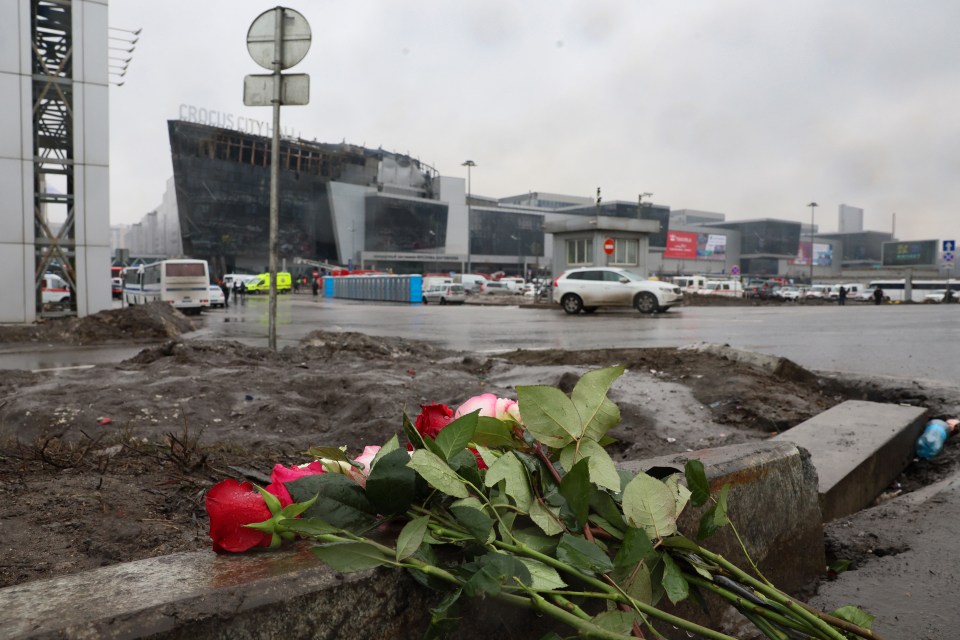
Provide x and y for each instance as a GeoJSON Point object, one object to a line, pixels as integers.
{"type": "Point", "coordinates": [602, 241]}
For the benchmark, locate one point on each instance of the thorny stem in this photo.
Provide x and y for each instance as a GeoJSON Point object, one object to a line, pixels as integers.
{"type": "Point", "coordinates": [548, 463]}
{"type": "Point", "coordinates": [811, 617]}
{"type": "Point", "coordinates": [642, 607]}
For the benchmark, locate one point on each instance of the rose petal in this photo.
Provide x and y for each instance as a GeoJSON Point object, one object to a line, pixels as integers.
{"type": "Point", "coordinates": [232, 504]}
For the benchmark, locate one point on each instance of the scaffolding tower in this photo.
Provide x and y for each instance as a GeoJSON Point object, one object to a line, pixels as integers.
{"type": "Point", "coordinates": [51, 23]}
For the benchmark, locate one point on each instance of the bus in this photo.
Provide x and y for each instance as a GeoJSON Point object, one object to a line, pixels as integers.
{"type": "Point", "coordinates": [894, 290]}
{"type": "Point", "coordinates": [183, 283]}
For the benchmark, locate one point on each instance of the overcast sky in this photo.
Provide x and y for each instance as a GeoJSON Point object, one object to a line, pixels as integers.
{"type": "Point", "coordinates": [752, 108]}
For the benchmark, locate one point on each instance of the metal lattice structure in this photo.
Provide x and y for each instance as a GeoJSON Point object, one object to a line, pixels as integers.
{"type": "Point", "coordinates": [51, 24]}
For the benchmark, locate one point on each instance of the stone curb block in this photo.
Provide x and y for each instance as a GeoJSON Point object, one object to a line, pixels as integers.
{"type": "Point", "coordinates": [290, 594]}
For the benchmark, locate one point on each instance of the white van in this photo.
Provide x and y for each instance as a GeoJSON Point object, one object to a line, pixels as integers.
{"type": "Point", "coordinates": [851, 287]}
{"type": "Point", "coordinates": [514, 284]}
{"type": "Point", "coordinates": [430, 281]}
{"type": "Point", "coordinates": [55, 290]}
{"type": "Point", "coordinates": [728, 288]}
{"type": "Point", "coordinates": [691, 283]}
{"type": "Point", "coordinates": [472, 283]}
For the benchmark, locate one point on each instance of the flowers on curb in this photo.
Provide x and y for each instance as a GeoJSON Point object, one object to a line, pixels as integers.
{"type": "Point", "coordinates": [530, 508]}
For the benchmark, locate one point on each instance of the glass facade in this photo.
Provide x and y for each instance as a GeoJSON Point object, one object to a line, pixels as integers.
{"type": "Point", "coordinates": [776, 237]}
{"type": "Point", "coordinates": [633, 212]}
{"type": "Point", "coordinates": [506, 233]}
{"type": "Point", "coordinates": [401, 224]}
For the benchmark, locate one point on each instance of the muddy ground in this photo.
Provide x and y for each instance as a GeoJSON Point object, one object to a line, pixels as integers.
{"type": "Point", "coordinates": [110, 464]}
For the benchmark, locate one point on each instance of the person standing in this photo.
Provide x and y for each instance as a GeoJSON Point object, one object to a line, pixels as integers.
{"type": "Point", "coordinates": [842, 296]}
{"type": "Point", "coordinates": [877, 295]}
{"type": "Point", "coordinates": [226, 292]}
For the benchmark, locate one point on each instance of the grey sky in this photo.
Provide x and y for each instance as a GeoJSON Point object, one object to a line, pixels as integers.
{"type": "Point", "coordinates": [750, 108]}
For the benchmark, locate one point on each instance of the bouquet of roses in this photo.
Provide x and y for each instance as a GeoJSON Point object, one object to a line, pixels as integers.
{"type": "Point", "coordinates": [535, 512]}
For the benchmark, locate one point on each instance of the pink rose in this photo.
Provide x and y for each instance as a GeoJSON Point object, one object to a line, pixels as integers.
{"type": "Point", "coordinates": [492, 407]}
{"type": "Point", "coordinates": [366, 459]}
{"type": "Point", "coordinates": [281, 475]}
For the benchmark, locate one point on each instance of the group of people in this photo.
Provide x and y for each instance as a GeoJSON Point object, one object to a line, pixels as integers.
{"type": "Point", "coordinates": [239, 289]}
{"type": "Point", "coordinates": [842, 295]}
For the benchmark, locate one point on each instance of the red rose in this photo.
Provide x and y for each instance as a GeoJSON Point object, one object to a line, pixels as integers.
{"type": "Point", "coordinates": [231, 505]}
{"type": "Point", "coordinates": [433, 418]}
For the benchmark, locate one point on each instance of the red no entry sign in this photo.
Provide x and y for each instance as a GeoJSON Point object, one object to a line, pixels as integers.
{"type": "Point", "coordinates": [608, 246]}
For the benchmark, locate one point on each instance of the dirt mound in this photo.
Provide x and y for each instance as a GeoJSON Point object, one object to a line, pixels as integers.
{"type": "Point", "coordinates": [144, 322]}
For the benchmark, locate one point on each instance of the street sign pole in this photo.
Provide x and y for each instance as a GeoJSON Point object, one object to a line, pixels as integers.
{"type": "Point", "coordinates": [278, 39]}
{"type": "Point", "coordinates": [275, 175]}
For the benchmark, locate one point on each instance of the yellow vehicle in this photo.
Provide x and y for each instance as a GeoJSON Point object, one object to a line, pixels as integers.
{"type": "Point", "coordinates": [261, 284]}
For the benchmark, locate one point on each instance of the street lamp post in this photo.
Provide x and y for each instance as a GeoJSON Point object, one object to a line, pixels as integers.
{"type": "Point", "coordinates": [813, 207]}
{"type": "Point", "coordinates": [469, 164]}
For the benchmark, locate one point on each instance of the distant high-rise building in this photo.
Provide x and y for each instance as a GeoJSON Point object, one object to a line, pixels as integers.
{"type": "Point", "coordinates": [851, 219]}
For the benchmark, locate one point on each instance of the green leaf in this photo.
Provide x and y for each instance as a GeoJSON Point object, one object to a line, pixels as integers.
{"type": "Point", "coordinates": [603, 472]}
{"type": "Point", "coordinates": [493, 433]}
{"type": "Point", "coordinates": [583, 555]}
{"type": "Point", "coordinates": [606, 506]}
{"type": "Point", "coordinates": [535, 539]}
{"type": "Point", "coordinates": [856, 615]}
{"type": "Point", "coordinates": [510, 470]}
{"type": "Point", "coordinates": [549, 415]}
{"type": "Point", "coordinates": [681, 494]}
{"type": "Point", "coordinates": [476, 522]}
{"type": "Point", "coordinates": [716, 516]}
{"type": "Point", "coordinates": [697, 482]}
{"type": "Point", "coordinates": [548, 519]}
{"type": "Point", "coordinates": [542, 577]}
{"type": "Point", "coordinates": [597, 413]}
{"type": "Point", "coordinates": [636, 546]}
{"type": "Point", "coordinates": [340, 501]}
{"type": "Point", "coordinates": [650, 505]}
{"type": "Point", "coordinates": [330, 453]}
{"type": "Point", "coordinates": [411, 537]}
{"type": "Point", "coordinates": [347, 557]}
{"type": "Point", "coordinates": [489, 572]}
{"type": "Point", "coordinates": [636, 581]}
{"type": "Point", "coordinates": [617, 621]}
{"type": "Point", "coordinates": [674, 583]}
{"type": "Point", "coordinates": [576, 488]}
{"type": "Point", "coordinates": [391, 445]}
{"type": "Point", "coordinates": [309, 527]}
{"type": "Point", "coordinates": [454, 437]}
{"type": "Point", "coordinates": [391, 485]}
{"type": "Point", "coordinates": [437, 473]}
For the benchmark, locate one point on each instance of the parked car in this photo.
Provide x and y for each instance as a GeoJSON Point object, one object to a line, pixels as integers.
{"type": "Point", "coordinates": [587, 288]}
{"type": "Point", "coordinates": [217, 299]}
{"type": "Point", "coordinates": [935, 297]}
{"type": "Point", "coordinates": [471, 282]}
{"type": "Point", "coordinates": [862, 296]}
{"type": "Point", "coordinates": [496, 288]}
{"type": "Point", "coordinates": [789, 294]}
{"type": "Point", "coordinates": [444, 294]}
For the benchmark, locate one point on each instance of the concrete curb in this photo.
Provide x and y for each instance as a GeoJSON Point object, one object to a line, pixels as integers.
{"type": "Point", "coordinates": [290, 594]}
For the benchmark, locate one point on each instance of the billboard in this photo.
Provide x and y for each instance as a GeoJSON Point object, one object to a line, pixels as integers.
{"type": "Point", "coordinates": [822, 254]}
{"type": "Point", "coordinates": [688, 245]}
{"type": "Point", "coordinates": [910, 254]}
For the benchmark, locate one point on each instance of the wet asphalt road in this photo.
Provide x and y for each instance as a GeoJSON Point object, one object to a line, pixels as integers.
{"type": "Point", "coordinates": [919, 342]}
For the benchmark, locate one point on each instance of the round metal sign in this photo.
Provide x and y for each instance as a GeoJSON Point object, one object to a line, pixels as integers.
{"type": "Point", "coordinates": [735, 270]}
{"type": "Point", "coordinates": [294, 41]}
{"type": "Point", "coordinates": [608, 246]}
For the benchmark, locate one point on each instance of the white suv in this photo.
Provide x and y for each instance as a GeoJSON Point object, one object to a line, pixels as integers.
{"type": "Point", "coordinates": [587, 288]}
